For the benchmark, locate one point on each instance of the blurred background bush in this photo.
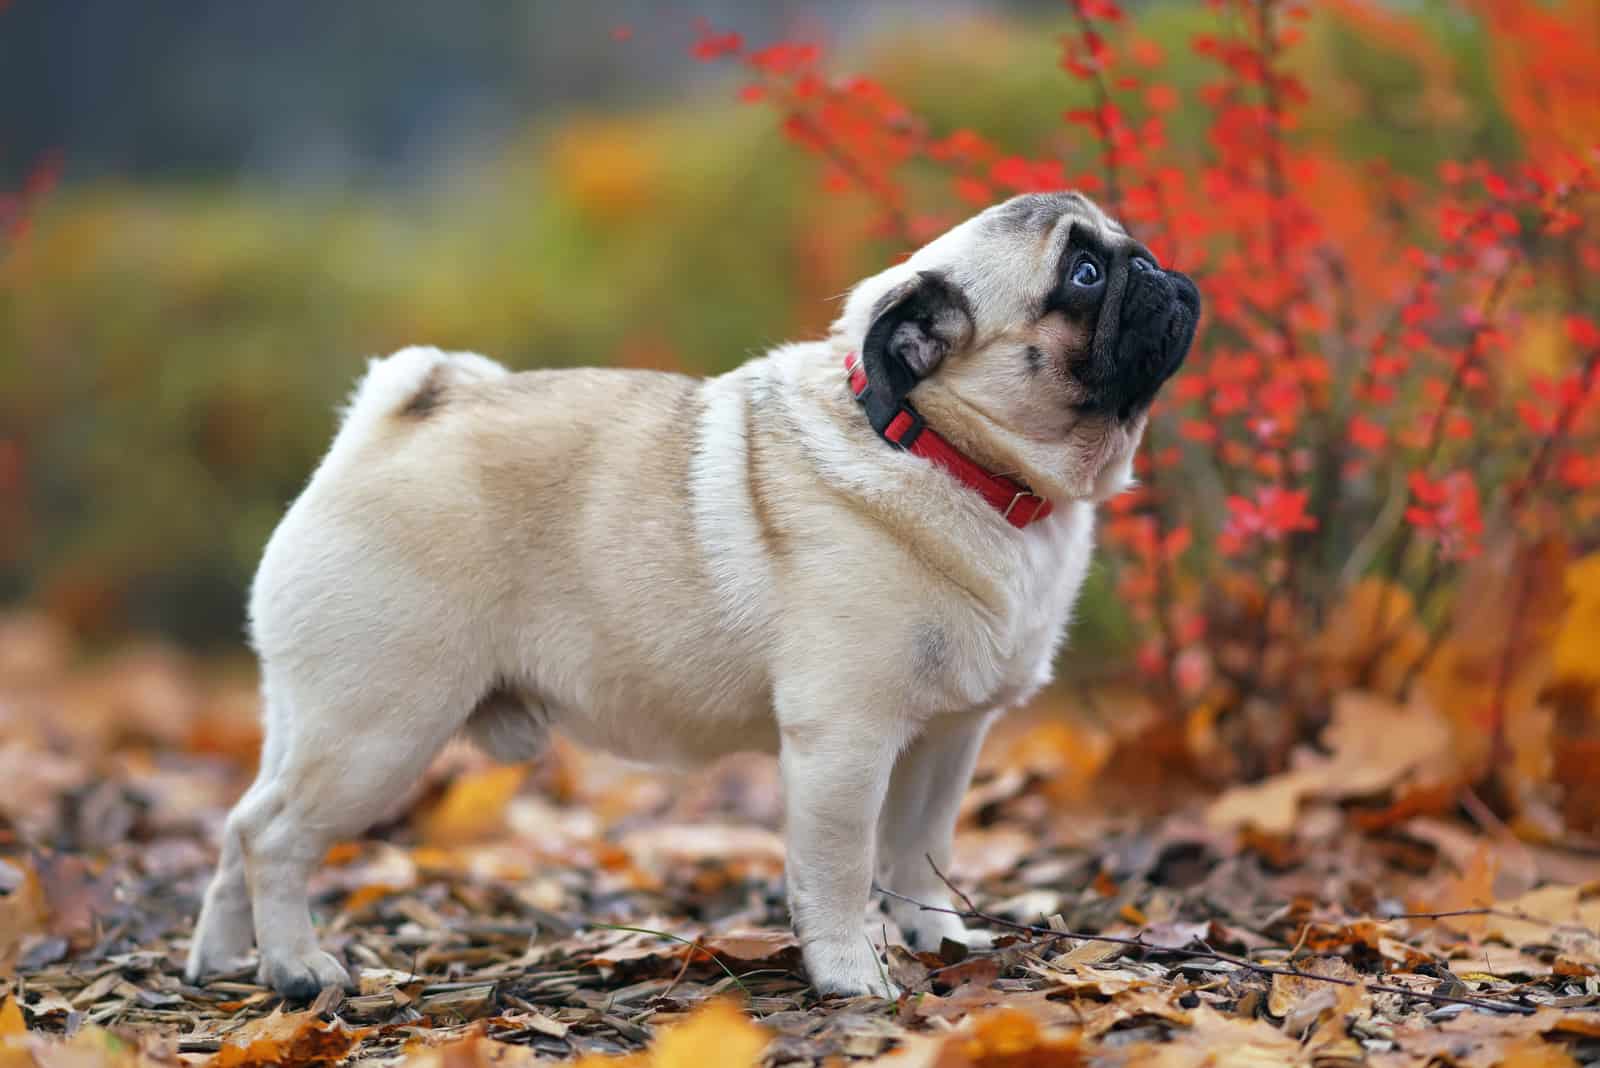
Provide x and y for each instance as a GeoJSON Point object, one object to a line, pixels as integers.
{"type": "Point", "coordinates": [255, 199]}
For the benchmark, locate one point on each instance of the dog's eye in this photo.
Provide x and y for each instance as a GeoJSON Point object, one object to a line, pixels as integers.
{"type": "Point", "coordinates": [1086, 273]}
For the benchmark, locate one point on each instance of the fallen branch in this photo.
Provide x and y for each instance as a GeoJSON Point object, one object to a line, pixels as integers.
{"type": "Point", "coordinates": [971, 912]}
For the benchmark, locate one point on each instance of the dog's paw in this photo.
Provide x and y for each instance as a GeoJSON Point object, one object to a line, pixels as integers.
{"type": "Point", "coordinates": [849, 971]}
{"type": "Point", "coordinates": [203, 964]}
{"type": "Point", "coordinates": [216, 949]}
{"type": "Point", "coordinates": [303, 978]}
{"type": "Point", "coordinates": [975, 940]}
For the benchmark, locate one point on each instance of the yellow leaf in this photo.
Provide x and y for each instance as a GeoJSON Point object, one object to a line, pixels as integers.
{"type": "Point", "coordinates": [11, 1022]}
{"type": "Point", "coordinates": [716, 1034]}
{"type": "Point", "coordinates": [1579, 634]}
{"type": "Point", "coordinates": [474, 807]}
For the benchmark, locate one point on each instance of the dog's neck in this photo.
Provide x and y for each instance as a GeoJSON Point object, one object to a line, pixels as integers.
{"type": "Point", "coordinates": [897, 422]}
{"type": "Point", "coordinates": [1046, 466]}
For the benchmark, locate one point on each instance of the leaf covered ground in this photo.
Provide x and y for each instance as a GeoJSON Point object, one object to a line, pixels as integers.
{"type": "Point", "coordinates": [583, 909]}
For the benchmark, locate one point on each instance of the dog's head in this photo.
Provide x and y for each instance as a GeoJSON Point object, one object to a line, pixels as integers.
{"type": "Point", "coordinates": [1044, 318]}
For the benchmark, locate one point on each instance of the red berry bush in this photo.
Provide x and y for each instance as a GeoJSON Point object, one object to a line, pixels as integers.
{"type": "Point", "coordinates": [1371, 445]}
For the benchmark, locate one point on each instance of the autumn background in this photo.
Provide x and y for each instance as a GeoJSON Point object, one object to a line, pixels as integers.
{"type": "Point", "coordinates": [1339, 659]}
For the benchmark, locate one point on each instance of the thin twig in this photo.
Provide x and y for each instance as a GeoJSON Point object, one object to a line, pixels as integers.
{"type": "Point", "coordinates": [1138, 942]}
{"type": "Point", "coordinates": [675, 938]}
{"type": "Point", "coordinates": [954, 889]}
{"type": "Point", "coordinates": [1504, 913]}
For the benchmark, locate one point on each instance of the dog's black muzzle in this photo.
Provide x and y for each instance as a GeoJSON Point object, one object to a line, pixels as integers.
{"type": "Point", "coordinates": [1145, 330]}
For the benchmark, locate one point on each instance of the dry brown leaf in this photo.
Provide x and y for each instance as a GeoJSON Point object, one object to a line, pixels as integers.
{"type": "Point", "coordinates": [1155, 1004]}
{"type": "Point", "coordinates": [655, 847]}
{"type": "Point", "coordinates": [1093, 980]}
{"type": "Point", "coordinates": [1217, 1041]}
{"type": "Point", "coordinates": [1374, 626]}
{"type": "Point", "coordinates": [983, 853]}
{"type": "Point", "coordinates": [1473, 888]}
{"type": "Point", "coordinates": [1068, 754]}
{"type": "Point", "coordinates": [1487, 1040]}
{"type": "Point", "coordinates": [1539, 915]}
{"type": "Point", "coordinates": [1090, 952]}
{"type": "Point", "coordinates": [756, 945]}
{"type": "Point", "coordinates": [1532, 1053]}
{"type": "Point", "coordinates": [1497, 657]}
{"type": "Point", "coordinates": [472, 1050]}
{"type": "Point", "coordinates": [1302, 1001]}
{"type": "Point", "coordinates": [1374, 744]}
{"type": "Point", "coordinates": [22, 913]}
{"type": "Point", "coordinates": [91, 1047]}
{"type": "Point", "coordinates": [293, 1038]}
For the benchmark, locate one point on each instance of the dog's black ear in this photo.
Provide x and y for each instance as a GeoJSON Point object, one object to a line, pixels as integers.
{"type": "Point", "coordinates": [914, 327]}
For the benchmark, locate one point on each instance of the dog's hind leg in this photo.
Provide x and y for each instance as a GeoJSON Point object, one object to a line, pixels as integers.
{"type": "Point", "coordinates": [225, 931]}
{"type": "Point", "coordinates": [352, 744]}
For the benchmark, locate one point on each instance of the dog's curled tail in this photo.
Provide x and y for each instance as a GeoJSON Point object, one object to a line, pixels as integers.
{"type": "Point", "coordinates": [412, 384]}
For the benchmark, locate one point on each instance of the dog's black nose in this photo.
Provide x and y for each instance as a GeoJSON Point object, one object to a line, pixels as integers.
{"type": "Point", "coordinates": [1142, 264]}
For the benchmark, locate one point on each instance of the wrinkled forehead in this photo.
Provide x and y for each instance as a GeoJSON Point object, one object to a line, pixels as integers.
{"type": "Point", "coordinates": [1008, 258]}
{"type": "Point", "coordinates": [1041, 215]}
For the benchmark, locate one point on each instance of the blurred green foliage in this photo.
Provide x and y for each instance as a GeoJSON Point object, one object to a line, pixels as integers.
{"type": "Point", "coordinates": [171, 359]}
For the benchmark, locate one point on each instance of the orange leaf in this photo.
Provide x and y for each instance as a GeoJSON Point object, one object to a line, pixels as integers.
{"type": "Point", "coordinates": [474, 807]}
{"type": "Point", "coordinates": [288, 1039]}
{"type": "Point", "coordinates": [11, 1021]}
{"type": "Point", "coordinates": [717, 1033]}
{"type": "Point", "coordinates": [1009, 1038]}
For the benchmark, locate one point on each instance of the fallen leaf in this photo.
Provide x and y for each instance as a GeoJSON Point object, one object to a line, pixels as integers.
{"type": "Point", "coordinates": [717, 1033]}
{"type": "Point", "coordinates": [1532, 1053]}
{"type": "Point", "coordinates": [1010, 1038]}
{"type": "Point", "coordinates": [1374, 628]}
{"type": "Point", "coordinates": [22, 913]}
{"type": "Point", "coordinates": [1578, 636]}
{"type": "Point", "coordinates": [286, 1039]}
{"type": "Point", "coordinates": [1472, 889]}
{"type": "Point", "coordinates": [1217, 1041]}
{"type": "Point", "coordinates": [472, 1050]}
{"type": "Point", "coordinates": [1373, 743]}
{"type": "Point", "coordinates": [1301, 1001]}
{"type": "Point", "coordinates": [755, 945]}
{"type": "Point", "coordinates": [474, 806]}
{"type": "Point", "coordinates": [11, 1021]}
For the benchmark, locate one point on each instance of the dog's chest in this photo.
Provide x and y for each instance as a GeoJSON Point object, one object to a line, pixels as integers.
{"type": "Point", "coordinates": [999, 658]}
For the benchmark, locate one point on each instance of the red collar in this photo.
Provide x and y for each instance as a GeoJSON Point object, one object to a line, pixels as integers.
{"type": "Point", "coordinates": [1016, 503]}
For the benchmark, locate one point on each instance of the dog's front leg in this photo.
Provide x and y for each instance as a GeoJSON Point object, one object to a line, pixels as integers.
{"type": "Point", "coordinates": [918, 824]}
{"type": "Point", "coordinates": [836, 759]}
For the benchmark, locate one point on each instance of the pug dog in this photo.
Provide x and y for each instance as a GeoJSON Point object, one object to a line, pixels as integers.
{"type": "Point", "coordinates": [853, 552]}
